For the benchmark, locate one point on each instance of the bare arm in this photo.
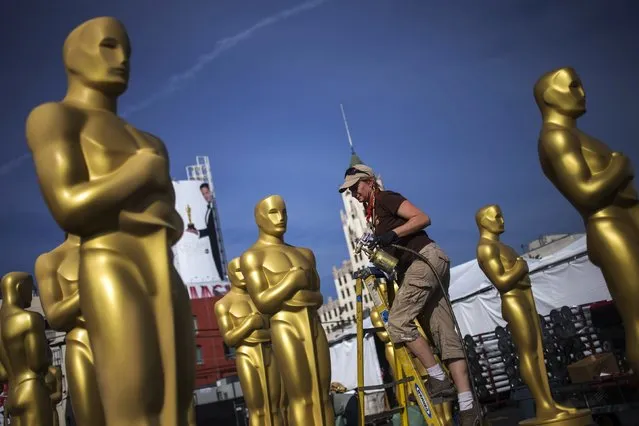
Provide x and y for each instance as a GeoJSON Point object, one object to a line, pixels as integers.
{"type": "Point", "coordinates": [574, 178]}
{"type": "Point", "coordinates": [75, 201]}
{"type": "Point", "coordinates": [268, 300]}
{"type": "Point", "coordinates": [415, 219]}
{"type": "Point", "coordinates": [60, 312]}
{"type": "Point", "coordinates": [233, 335]}
{"type": "Point", "coordinates": [490, 263]}
{"type": "Point", "coordinates": [35, 344]}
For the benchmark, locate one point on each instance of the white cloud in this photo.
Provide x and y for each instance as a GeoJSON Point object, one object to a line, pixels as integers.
{"type": "Point", "coordinates": [175, 81]}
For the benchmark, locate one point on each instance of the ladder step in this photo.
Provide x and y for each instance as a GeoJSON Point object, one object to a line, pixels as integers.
{"type": "Point", "coordinates": [371, 418]}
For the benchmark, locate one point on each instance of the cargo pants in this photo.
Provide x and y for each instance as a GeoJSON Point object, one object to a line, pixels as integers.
{"type": "Point", "coordinates": [420, 296]}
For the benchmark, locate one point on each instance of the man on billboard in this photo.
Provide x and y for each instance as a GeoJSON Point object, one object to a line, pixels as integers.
{"type": "Point", "coordinates": [210, 230]}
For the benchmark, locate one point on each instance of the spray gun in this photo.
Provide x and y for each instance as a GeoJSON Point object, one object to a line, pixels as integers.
{"type": "Point", "coordinates": [378, 257]}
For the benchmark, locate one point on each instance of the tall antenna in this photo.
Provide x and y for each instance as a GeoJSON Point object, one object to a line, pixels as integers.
{"type": "Point", "coordinates": [348, 132]}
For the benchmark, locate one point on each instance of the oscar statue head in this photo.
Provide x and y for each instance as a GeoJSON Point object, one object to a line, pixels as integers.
{"type": "Point", "coordinates": [489, 218]}
{"type": "Point", "coordinates": [17, 289]}
{"type": "Point", "coordinates": [560, 91]}
{"type": "Point", "coordinates": [270, 216]}
{"type": "Point", "coordinates": [96, 55]}
{"type": "Point", "coordinates": [235, 274]}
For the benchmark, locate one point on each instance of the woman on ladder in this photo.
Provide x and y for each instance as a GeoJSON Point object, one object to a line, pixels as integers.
{"type": "Point", "coordinates": [395, 220]}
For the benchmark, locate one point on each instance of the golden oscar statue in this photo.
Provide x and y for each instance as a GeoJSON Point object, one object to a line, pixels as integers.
{"type": "Point", "coordinates": [598, 182]}
{"type": "Point", "coordinates": [443, 410]}
{"type": "Point", "coordinates": [57, 275]}
{"type": "Point", "coordinates": [245, 329]}
{"type": "Point", "coordinates": [53, 380]}
{"type": "Point", "coordinates": [283, 283]}
{"type": "Point", "coordinates": [23, 352]}
{"type": "Point", "coordinates": [108, 183]}
{"type": "Point", "coordinates": [509, 274]}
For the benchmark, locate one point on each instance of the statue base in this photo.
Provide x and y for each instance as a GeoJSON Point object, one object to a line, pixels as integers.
{"type": "Point", "coordinates": [578, 418]}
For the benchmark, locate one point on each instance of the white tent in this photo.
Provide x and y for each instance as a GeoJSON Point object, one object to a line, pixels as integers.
{"type": "Point", "coordinates": [344, 366]}
{"type": "Point", "coordinates": [564, 278]}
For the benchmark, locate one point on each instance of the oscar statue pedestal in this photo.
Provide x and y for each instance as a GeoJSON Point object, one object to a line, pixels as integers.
{"type": "Point", "coordinates": [578, 418]}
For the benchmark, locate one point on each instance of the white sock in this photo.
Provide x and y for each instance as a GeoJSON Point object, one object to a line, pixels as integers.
{"type": "Point", "coordinates": [465, 400]}
{"type": "Point", "coordinates": [436, 372]}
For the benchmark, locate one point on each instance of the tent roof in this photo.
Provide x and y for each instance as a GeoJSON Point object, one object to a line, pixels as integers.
{"type": "Point", "coordinates": [468, 278]}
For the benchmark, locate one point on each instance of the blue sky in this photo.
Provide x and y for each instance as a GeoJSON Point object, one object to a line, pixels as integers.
{"type": "Point", "coordinates": [438, 97]}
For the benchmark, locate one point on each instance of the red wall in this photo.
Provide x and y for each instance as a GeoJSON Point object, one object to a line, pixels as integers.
{"type": "Point", "coordinates": [214, 364]}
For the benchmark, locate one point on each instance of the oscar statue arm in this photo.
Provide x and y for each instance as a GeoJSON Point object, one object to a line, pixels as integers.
{"type": "Point", "coordinates": [267, 299]}
{"type": "Point", "coordinates": [161, 150]}
{"type": "Point", "coordinates": [490, 263]}
{"type": "Point", "coordinates": [170, 189]}
{"type": "Point", "coordinates": [573, 176]}
{"type": "Point", "coordinates": [310, 256]}
{"type": "Point", "coordinates": [60, 312]}
{"type": "Point", "coordinates": [77, 202]}
{"type": "Point", "coordinates": [232, 336]}
{"type": "Point", "coordinates": [35, 344]}
{"type": "Point", "coordinates": [376, 320]}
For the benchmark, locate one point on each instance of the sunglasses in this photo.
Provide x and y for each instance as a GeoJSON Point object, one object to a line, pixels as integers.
{"type": "Point", "coordinates": [353, 171]}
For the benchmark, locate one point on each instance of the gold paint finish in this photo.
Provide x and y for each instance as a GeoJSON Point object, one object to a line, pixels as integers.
{"type": "Point", "coordinates": [509, 274]}
{"type": "Point", "coordinates": [599, 183]}
{"type": "Point", "coordinates": [57, 275]}
{"type": "Point", "coordinates": [245, 329]}
{"type": "Point", "coordinates": [283, 283]}
{"type": "Point", "coordinates": [108, 183]}
{"type": "Point", "coordinates": [24, 353]}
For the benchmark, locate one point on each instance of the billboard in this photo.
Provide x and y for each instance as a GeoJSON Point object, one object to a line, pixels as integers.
{"type": "Point", "coordinates": [192, 255]}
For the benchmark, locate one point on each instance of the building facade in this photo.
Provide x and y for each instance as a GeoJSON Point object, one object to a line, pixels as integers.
{"type": "Point", "coordinates": [214, 359]}
{"type": "Point", "coordinates": [330, 317]}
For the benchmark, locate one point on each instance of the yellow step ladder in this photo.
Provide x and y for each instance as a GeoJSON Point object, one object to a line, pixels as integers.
{"type": "Point", "coordinates": [407, 374]}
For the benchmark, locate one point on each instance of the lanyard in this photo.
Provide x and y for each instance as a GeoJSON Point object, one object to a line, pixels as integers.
{"type": "Point", "coordinates": [370, 212]}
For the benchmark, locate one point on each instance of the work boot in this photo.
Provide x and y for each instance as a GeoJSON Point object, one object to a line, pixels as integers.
{"type": "Point", "coordinates": [440, 390]}
{"type": "Point", "coordinates": [469, 417]}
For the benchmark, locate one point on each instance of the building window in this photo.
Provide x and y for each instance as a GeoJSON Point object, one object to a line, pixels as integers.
{"type": "Point", "coordinates": [198, 355]}
{"type": "Point", "coordinates": [351, 305]}
{"type": "Point", "coordinates": [229, 353]}
{"type": "Point", "coordinates": [348, 292]}
{"type": "Point", "coordinates": [342, 293]}
{"type": "Point", "coordinates": [195, 323]}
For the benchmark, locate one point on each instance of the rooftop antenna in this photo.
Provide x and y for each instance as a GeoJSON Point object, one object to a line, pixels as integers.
{"type": "Point", "coordinates": [348, 132]}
